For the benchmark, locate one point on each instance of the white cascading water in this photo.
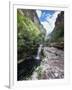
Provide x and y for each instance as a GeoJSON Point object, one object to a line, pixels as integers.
{"type": "Point", "coordinates": [39, 51]}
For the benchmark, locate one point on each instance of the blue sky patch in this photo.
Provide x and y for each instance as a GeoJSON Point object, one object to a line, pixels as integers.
{"type": "Point", "coordinates": [47, 19]}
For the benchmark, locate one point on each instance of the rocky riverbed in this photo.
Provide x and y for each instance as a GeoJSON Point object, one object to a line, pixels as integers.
{"type": "Point", "coordinates": [52, 65]}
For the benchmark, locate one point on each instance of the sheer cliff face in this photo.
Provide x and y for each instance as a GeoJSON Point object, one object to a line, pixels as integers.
{"type": "Point", "coordinates": [30, 14]}
{"type": "Point", "coordinates": [29, 33]}
{"type": "Point", "coordinates": [60, 20]}
{"type": "Point", "coordinates": [58, 33]}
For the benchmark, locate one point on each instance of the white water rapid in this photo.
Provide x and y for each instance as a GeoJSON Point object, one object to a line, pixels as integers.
{"type": "Point", "coordinates": [39, 51]}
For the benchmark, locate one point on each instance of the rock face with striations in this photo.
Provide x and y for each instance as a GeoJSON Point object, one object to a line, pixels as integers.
{"type": "Point", "coordinates": [57, 35]}
{"type": "Point", "coordinates": [59, 21]}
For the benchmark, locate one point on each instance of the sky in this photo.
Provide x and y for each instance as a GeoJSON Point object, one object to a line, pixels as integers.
{"type": "Point", "coordinates": [47, 19]}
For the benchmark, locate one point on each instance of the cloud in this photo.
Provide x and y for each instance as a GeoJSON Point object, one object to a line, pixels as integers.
{"type": "Point", "coordinates": [47, 19]}
{"type": "Point", "coordinates": [49, 23]}
{"type": "Point", "coordinates": [52, 20]}
{"type": "Point", "coordinates": [39, 13]}
{"type": "Point", "coordinates": [47, 28]}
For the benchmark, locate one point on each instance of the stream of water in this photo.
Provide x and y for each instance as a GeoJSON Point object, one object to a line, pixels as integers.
{"type": "Point", "coordinates": [39, 51]}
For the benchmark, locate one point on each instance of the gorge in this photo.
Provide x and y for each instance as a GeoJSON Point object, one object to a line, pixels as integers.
{"type": "Point", "coordinates": [39, 57]}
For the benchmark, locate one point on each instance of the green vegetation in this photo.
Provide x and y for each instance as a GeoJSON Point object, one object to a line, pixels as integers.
{"type": "Point", "coordinates": [29, 36]}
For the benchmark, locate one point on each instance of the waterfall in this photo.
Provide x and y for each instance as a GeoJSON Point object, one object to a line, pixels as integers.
{"type": "Point", "coordinates": [39, 51]}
